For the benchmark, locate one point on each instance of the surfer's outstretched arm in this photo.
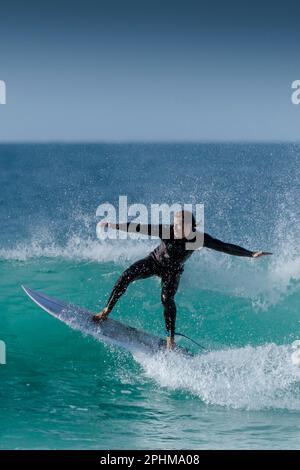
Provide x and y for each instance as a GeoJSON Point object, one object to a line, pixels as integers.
{"type": "Point", "coordinates": [144, 229]}
{"type": "Point", "coordinates": [229, 248]}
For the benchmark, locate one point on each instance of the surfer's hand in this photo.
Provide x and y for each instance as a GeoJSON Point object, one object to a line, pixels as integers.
{"type": "Point", "coordinates": [257, 254]}
{"type": "Point", "coordinates": [170, 342]}
{"type": "Point", "coordinates": [101, 315]}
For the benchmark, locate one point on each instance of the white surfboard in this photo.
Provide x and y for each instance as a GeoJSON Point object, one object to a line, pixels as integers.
{"type": "Point", "coordinates": [110, 331]}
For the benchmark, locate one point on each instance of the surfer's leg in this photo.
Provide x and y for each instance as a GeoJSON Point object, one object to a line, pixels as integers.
{"type": "Point", "coordinates": [140, 270]}
{"type": "Point", "coordinates": [170, 283]}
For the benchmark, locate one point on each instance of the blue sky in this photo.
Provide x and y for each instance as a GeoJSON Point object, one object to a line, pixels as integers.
{"type": "Point", "coordinates": [149, 71]}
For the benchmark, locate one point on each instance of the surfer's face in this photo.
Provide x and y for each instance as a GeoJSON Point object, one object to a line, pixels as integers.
{"type": "Point", "coordinates": [182, 228]}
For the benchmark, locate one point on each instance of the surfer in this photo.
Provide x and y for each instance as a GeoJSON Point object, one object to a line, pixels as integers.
{"type": "Point", "coordinates": [167, 262]}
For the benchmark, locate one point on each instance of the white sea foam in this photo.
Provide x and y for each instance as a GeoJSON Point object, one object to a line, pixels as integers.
{"type": "Point", "coordinates": [75, 248]}
{"type": "Point", "coordinates": [263, 280]}
{"type": "Point", "coordinates": [252, 378]}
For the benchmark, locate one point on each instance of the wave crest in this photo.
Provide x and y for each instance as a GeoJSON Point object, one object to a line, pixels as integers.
{"type": "Point", "coordinates": [251, 378]}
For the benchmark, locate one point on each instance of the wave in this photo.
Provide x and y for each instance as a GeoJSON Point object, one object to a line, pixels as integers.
{"type": "Point", "coordinates": [252, 378]}
{"type": "Point", "coordinates": [76, 248]}
{"type": "Point", "coordinates": [265, 281]}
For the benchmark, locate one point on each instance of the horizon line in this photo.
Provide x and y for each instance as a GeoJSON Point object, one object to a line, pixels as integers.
{"type": "Point", "coordinates": [146, 142]}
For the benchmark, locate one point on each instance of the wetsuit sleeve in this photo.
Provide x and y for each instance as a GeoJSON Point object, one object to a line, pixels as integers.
{"type": "Point", "coordinates": [131, 227]}
{"type": "Point", "coordinates": [160, 230]}
{"type": "Point", "coordinates": [229, 248]}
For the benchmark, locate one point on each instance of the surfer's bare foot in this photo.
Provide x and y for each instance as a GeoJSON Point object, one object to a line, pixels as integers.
{"type": "Point", "coordinates": [101, 315]}
{"type": "Point", "coordinates": [170, 343]}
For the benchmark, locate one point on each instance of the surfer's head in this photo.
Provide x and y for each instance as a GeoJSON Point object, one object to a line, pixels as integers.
{"type": "Point", "coordinates": [184, 224]}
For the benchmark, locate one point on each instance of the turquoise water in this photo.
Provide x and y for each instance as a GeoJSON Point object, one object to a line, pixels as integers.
{"type": "Point", "coordinates": [61, 390]}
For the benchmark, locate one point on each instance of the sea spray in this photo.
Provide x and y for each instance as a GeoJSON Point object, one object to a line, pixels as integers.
{"type": "Point", "coordinates": [242, 378]}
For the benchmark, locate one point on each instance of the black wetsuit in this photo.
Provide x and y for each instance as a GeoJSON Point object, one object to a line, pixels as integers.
{"type": "Point", "coordinates": [167, 262]}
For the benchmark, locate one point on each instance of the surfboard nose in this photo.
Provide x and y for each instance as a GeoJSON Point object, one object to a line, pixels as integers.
{"type": "Point", "coordinates": [25, 288]}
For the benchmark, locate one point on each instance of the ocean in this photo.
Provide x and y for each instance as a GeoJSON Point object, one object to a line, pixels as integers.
{"type": "Point", "coordinates": [62, 390]}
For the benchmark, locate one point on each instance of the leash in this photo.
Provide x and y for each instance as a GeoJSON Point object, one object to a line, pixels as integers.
{"type": "Point", "coordinates": [192, 340]}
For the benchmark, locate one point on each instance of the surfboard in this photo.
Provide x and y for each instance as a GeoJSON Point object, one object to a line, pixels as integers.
{"type": "Point", "coordinates": [109, 331]}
